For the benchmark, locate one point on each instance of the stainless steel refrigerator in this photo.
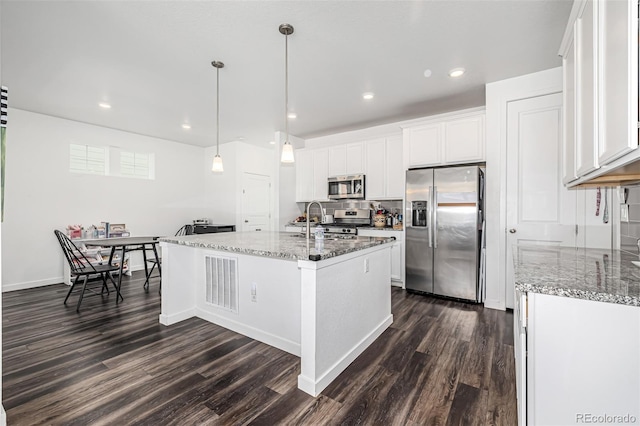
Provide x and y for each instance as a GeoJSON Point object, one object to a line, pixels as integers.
{"type": "Point", "coordinates": [443, 221]}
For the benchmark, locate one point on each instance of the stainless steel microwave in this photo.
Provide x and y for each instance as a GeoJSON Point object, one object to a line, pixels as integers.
{"type": "Point", "coordinates": [346, 187]}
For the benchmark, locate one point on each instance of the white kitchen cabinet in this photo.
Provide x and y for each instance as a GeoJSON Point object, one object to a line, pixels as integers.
{"type": "Point", "coordinates": [464, 140]}
{"type": "Point", "coordinates": [384, 170]}
{"type": "Point", "coordinates": [394, 176]}
{"type": "Point", "coordinates": [337, 160]}
{"type": "Point", "coordinates": [355, 158]}
{"type": "Point", "coordinates": [375, 175]}
{"type": "Point", "coordinates": [559, 362]}
{"type": "Point", "coordinates": [346, 159]}
{"type": "Point", "coordinates": [618, 106]}
{"type": "Point", "coordinates": [320, 173]}
{"type": "Point", "coordinates": [446, 140]}
{"type": "Point", "coordinates": [312, 170]}
{"type": "Point", "coordinates": [397, 252]}
{"type": "Point", "coordinates": [569, 103]}
{"type": "Point", "coordinates": [424, 144]}
{"type": "Point", "coordinates": [586, 111]}
{"type": "Point", "coordinates": [304, 175]}
{"type": "Point", "coordinates": [600, 66]}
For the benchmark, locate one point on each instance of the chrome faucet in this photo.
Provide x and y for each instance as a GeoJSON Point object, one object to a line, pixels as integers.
{"type": "Point", "coordinates": [321, 214]}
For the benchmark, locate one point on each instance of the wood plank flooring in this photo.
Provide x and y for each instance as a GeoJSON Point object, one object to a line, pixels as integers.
{"type": "Point", "coordinates": [440, 363]}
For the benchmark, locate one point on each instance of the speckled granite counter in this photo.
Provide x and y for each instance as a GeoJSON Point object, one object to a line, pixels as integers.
{"type": "Point", "coordinates": [281, 245]}
{"type": "Point", "coordinates": [590, 274]}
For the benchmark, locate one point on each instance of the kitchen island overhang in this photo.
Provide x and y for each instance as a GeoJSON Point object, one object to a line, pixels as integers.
{"type": "Point", "coordinates": [262, 285]}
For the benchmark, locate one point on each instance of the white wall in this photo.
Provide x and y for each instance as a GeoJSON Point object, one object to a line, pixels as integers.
{"type": "Point", "coordinates": [42, 195]}
{"type": "Point", "coordinates": [224, 190]}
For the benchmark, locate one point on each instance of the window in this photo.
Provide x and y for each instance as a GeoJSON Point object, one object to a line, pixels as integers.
{"type": "Point", "coordinates": [87, 159]}
{"type": "Point", "coordinates": [135, 164]}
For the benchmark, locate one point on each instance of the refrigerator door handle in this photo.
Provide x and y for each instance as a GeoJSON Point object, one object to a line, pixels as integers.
{"type": "Point", "coordinates": [434, 208]}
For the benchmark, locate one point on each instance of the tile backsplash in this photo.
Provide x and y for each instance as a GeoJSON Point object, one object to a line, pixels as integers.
{"type": "Point", "coordinates": [330, 207]}
{"type": "Point", "coordinates": [630, 219]}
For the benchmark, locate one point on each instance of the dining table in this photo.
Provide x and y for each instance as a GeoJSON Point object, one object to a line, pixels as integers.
{"type": "Point", "coordinates": [126, 245]}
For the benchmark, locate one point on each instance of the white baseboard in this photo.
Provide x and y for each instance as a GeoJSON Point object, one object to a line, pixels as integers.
{"type": "Point", "coordinates": [314, 388]}
{"type": "Point", "coordinates": [255, 333]}
{"type": "Point", "coordinates": [30, 284]}
{"type": "Point", "coordinates": [177, 317]}
{"type": "Point", "coordinates": [494, 304]}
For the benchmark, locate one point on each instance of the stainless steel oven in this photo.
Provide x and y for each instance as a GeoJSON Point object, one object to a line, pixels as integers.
{"type": "Point", "coordinates": [346, 187]}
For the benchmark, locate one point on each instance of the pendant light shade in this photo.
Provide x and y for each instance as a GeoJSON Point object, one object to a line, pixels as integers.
{"type": "Point", "coordinates": [287, 149]}
{"type": "Point", "coordinates": [217, 160]}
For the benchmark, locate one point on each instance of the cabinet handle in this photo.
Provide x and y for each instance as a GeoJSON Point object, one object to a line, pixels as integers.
{"type": "Point", "coordinates": [246, 221]}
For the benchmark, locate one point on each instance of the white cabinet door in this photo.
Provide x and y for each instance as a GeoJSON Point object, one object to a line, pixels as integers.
{"type": "Point", "coordinates": [355, 160]}
{"type": "Point", "coordinates": [424, 145]}
{"type": "Point", "coordinates": [395, 172]}
{"type": "Point", "coordinates": [464, 140]}
{"type": "Point", "coordinates": [569, 120]}
{"type": "Point", "coordinates": [320, 173]}
{"type": "Point", "coordinates": [304, 175]}
{"type": "Point", "coordinates": [397, 263]}
{"type": "Point", "coordinates": [618, 80]}
{"type": "Point", "coordinates": [585, 79]}
{"type": "Point", "coordinates": [566, 337]}
{"type": "Point", "coordinates": [375, 176]}
{"type": "Point", "coordinates": [337, 160]}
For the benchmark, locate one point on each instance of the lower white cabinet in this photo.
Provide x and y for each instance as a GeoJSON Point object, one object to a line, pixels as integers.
{"type": "Point", "coordinates": [576, 360]}
{"type": "Point", "coordinates": [397, 252]}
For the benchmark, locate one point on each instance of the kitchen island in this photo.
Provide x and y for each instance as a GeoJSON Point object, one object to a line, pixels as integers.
{"type": "Point", "coordinates": [323, 302]}
{"type": "Point", "coordinates": [577, 335]}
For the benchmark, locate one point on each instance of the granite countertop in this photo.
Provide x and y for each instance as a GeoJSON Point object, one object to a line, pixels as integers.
{"type": "Point", "coordinates": [282, 245]}
{"type": "Point", "coordinates": [591, 274]}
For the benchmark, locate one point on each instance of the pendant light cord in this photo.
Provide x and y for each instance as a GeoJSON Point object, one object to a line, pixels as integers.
{"type": "Point", "coordinates": [286, 88]}
{"type": "Point", "coordinates": [217, 111]}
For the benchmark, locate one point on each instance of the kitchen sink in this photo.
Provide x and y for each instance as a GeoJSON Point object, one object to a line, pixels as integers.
{"type": "Point", "coordinates": [328, 238]}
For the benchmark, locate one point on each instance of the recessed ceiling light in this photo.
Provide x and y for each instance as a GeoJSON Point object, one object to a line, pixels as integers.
{"type": "Point", "coordinates": [272, 142]}
{"type": "Point", "coordinates": [427, 73]}
{"type": "Point", "coordinates": [456, 72]}
{"type": "Point", "coordinates": [367, 95]}
{"type": "Point", "coordinates": [292, 115]}
{"type": "Point", "coordinates": [186, 126]}
{"type": "Point", "coordinates": [104, 105]}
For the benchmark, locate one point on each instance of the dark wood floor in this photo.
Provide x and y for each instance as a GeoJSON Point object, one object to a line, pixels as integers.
{"type": "Point", "coordinates": [440, 362]}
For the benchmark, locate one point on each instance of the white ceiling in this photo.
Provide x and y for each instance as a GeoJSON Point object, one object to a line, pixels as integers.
{"type": "Point", "coordinates": [151, 61]}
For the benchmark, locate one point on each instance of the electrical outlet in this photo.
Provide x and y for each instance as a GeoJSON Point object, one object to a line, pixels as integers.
{"type": "Point", "coordinates": [254, 292]}
{"type": "Point", "coordinates": [366, 265]}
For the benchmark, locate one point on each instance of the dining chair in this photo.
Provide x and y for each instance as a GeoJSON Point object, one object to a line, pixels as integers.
{"type": "Point", "coordinates": [82, 267]}
{"type": "Point", "coordinates": [185, 230]}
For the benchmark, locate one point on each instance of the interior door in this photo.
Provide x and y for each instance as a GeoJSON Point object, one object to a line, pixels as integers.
{"type": "Point", "coordinates": [256, 202]}
{"type": "Point", "coordinates": [540, 210]}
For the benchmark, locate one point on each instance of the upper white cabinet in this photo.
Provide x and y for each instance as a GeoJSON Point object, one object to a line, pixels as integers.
{"type": "Point", "coordinates": [384, 171]}
{"type": "Point", "coordinates": [338, 160]}
{"type": "Point", "coordinates": [312, 171]}
{"type": "Point", "coordinates": [304, 175]}
{"type": "Point", "coordinates": [450, 140]}
{"type": "Point", "coordinates": [320, 174]}
{"type": "Point", "coordinates": [618, 37]}
{"type": "Point", "coordinates": [600, 66]}
{"type": "Point", "coordinates": [347, 159]}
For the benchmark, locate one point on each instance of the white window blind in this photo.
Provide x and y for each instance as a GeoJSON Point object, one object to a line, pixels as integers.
{"type": "Point", "coordinates": [87, 159]}
{"type": "Point", "coordinates": [136, 164]}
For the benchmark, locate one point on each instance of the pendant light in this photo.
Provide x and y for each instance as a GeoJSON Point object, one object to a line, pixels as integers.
{"type": "Point", "coordinates": [217, 160]}
{"type": "Point", "coordinates": [287, 149]}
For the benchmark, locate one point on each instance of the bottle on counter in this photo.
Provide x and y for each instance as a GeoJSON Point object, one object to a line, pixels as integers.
{"type": "Point", "coordinates": [319, 233]}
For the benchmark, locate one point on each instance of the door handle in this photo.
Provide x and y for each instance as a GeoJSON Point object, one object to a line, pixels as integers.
{"type": "Point", "coordinates": [246, 221]}
{"type": "Point", "coordinates": [512, 230]}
